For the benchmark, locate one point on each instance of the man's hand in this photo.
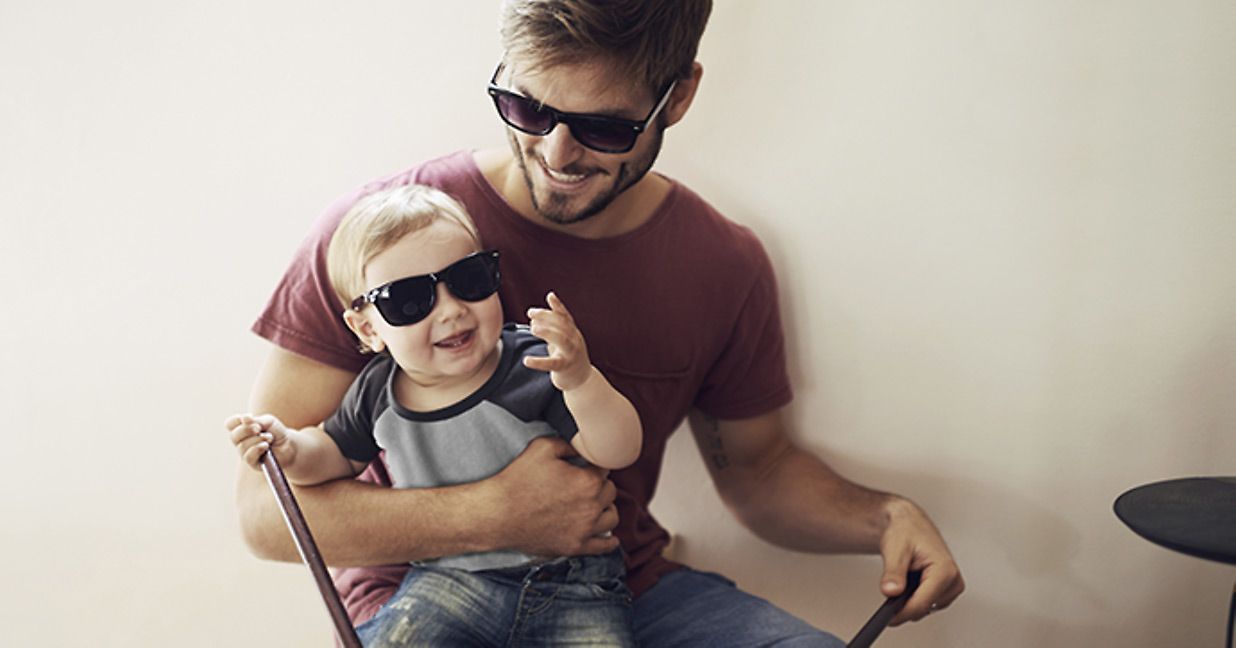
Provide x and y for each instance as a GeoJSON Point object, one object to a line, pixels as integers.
{"type": "Point", "coordinates": [549, 507]}
{"type": "Point", "coordinates": [792, 498]}
{"type": "Point", "coordinates": [539, 504]}
{"type": "Point", "coordinates": [912, 542]}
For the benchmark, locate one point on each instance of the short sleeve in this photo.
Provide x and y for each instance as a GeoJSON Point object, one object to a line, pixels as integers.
{"type": "Point", "coordinates": [351, 426]}
{"type": "Point", "coordinates": [303, 315]}
{"type": "Point", "coordinates": [530, 394]}
{"type": "Point", "coordinates": [749, 377]}
{"type": "Point", "coordinates": [559, 417]}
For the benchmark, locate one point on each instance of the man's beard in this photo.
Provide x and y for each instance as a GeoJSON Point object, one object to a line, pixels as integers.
{"type": "Point", "coordinates": [555, 207]}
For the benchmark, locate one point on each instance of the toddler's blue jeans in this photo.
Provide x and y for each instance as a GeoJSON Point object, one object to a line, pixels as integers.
{"type": "Point", "coordinates": [571, 601]}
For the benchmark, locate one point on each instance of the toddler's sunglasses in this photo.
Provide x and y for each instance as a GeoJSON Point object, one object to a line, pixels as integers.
{"type": "Point", "coordinates": [597, 132]}
{"type": "Point", "coordinates": [409, 300]}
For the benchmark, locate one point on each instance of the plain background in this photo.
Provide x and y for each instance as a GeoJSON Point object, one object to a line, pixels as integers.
{"type": "Point", "coordinates": [1004, 233]}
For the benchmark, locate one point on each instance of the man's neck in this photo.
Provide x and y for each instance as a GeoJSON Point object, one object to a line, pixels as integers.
{"type": "Point", "coordinates": [631, 209]}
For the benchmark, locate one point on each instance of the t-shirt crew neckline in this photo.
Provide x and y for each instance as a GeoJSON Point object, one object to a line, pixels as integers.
{"type": "Point", "coordinates": [562, 239]}
{"type": "Point", "coordinates": [461, 406]}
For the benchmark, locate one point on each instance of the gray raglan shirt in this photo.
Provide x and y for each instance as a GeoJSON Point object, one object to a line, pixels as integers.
{"type": "Point", "coordinates": [465, 442]}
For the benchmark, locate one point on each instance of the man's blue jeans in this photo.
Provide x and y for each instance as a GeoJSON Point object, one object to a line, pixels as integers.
{"type": "Point", "coordinates": [693, 608]}
{"type": "Point", "coordinates": [685, 608]}
{"type": "Point", "coordinates": [573, 601]}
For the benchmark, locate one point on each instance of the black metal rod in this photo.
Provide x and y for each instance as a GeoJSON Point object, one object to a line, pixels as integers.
{"type": "Point", "coordinates": [309, 549]}
{"type": "Point", "coordinates": [1231, 617]}
{"type": "Point", "coordinates": [885, 613]}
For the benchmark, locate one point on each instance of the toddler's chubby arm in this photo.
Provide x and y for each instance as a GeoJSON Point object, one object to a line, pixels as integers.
{"type": "Point", "coordinates": [308, 456]}
{"type": "Point", "coordinates": [610, 434]}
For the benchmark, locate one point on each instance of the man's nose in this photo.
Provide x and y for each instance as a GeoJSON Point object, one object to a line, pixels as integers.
{"type": "Point", "coordinates": [560, 149]}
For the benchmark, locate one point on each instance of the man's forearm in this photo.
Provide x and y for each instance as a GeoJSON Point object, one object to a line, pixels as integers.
{"type": "Point", "coordinates": [798, 502]}
{"type": "Point", "coordinates": [539, 504]}
{"type": "Point", "coordinates": [353, 523]}
{"type": "Point", "coordinates": [353, 526]}
{"type": "Point", "coordinates": [791, 498]}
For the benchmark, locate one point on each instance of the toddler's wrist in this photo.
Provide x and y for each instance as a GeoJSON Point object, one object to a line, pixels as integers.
{"type": "Point", "coordinates": [585, 376]}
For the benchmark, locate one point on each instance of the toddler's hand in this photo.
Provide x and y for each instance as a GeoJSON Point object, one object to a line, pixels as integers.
{"type": "Point", "coordinates": [567, 362]}
{"type": "Point", "coordinates": [254, 435]}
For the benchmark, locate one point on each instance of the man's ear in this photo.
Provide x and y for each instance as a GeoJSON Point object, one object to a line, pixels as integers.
{"type": "Point", "coordinates": [363, 328]}
{"type": "Point", "coordinates": [682, 96]}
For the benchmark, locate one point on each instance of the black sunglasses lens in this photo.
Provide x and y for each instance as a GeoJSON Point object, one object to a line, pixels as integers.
{"type": "Point", "coordinates": [523, 114]}
{"type": "Point", "coordinates": [473, 278]}
{"type": "Point", "coordinates": [597, 133]}
{"type": "Point", "coordinates": [408, 302]}
{"type": "Point", "coordinates": [603, 135]}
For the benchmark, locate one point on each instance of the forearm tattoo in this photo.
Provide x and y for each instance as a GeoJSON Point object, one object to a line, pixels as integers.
{"type": "Point", "coordinates": [710, 443]}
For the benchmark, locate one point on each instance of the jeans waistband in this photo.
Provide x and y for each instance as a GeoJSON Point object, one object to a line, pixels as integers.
{"type": "Point", "coordinates": [566, 569]}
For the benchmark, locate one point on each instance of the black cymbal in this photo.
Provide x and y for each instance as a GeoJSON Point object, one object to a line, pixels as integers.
{"type": "Point", "coordinates": [1194, 515]}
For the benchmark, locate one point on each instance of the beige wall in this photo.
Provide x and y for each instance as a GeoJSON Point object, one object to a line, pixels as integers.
{"type": "Point", "coordinates": [1003, 231]}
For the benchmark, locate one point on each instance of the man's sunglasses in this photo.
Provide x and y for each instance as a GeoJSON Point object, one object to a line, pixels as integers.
{"type": "Point", "coordinates": [597, 132]}
{"type": "Point", "coordinates": [409, 300]}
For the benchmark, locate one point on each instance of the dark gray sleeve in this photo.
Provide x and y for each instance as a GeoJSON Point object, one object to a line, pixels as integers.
{"type": "Point", "coordinates": [351, 426]}
{"type": "Point", "coordinates": [558, 416]}
{"type": "Point", "coordinates": [530, 394]}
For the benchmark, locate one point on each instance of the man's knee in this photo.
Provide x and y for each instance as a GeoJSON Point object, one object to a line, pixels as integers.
{"type": "Point", "coordinates": [697, 608]}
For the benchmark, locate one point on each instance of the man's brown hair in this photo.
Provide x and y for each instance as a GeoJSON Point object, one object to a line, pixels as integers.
{"type": "Point", "coordinates": [647, 41]}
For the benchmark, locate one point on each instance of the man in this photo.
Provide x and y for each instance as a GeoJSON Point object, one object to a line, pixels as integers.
{"type": "Point", "coordinates": [679, 307]}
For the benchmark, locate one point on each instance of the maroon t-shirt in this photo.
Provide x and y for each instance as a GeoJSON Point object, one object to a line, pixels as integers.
{"type": "Point", "coordinates": [679, 313]}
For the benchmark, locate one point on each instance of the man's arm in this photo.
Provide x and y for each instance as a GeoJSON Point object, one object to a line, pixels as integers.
{"type": "Point", "coordinates": [539, 504]}
{"type": "Point", "coordinates": [793, 499]}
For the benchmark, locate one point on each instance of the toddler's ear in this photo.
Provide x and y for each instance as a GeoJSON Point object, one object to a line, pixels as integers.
{"type": "Point", "coordinates": [363, 328]}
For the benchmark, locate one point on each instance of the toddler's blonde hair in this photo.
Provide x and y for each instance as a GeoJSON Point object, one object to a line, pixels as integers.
{"type": "Point", "coordinates": [378, 221]}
